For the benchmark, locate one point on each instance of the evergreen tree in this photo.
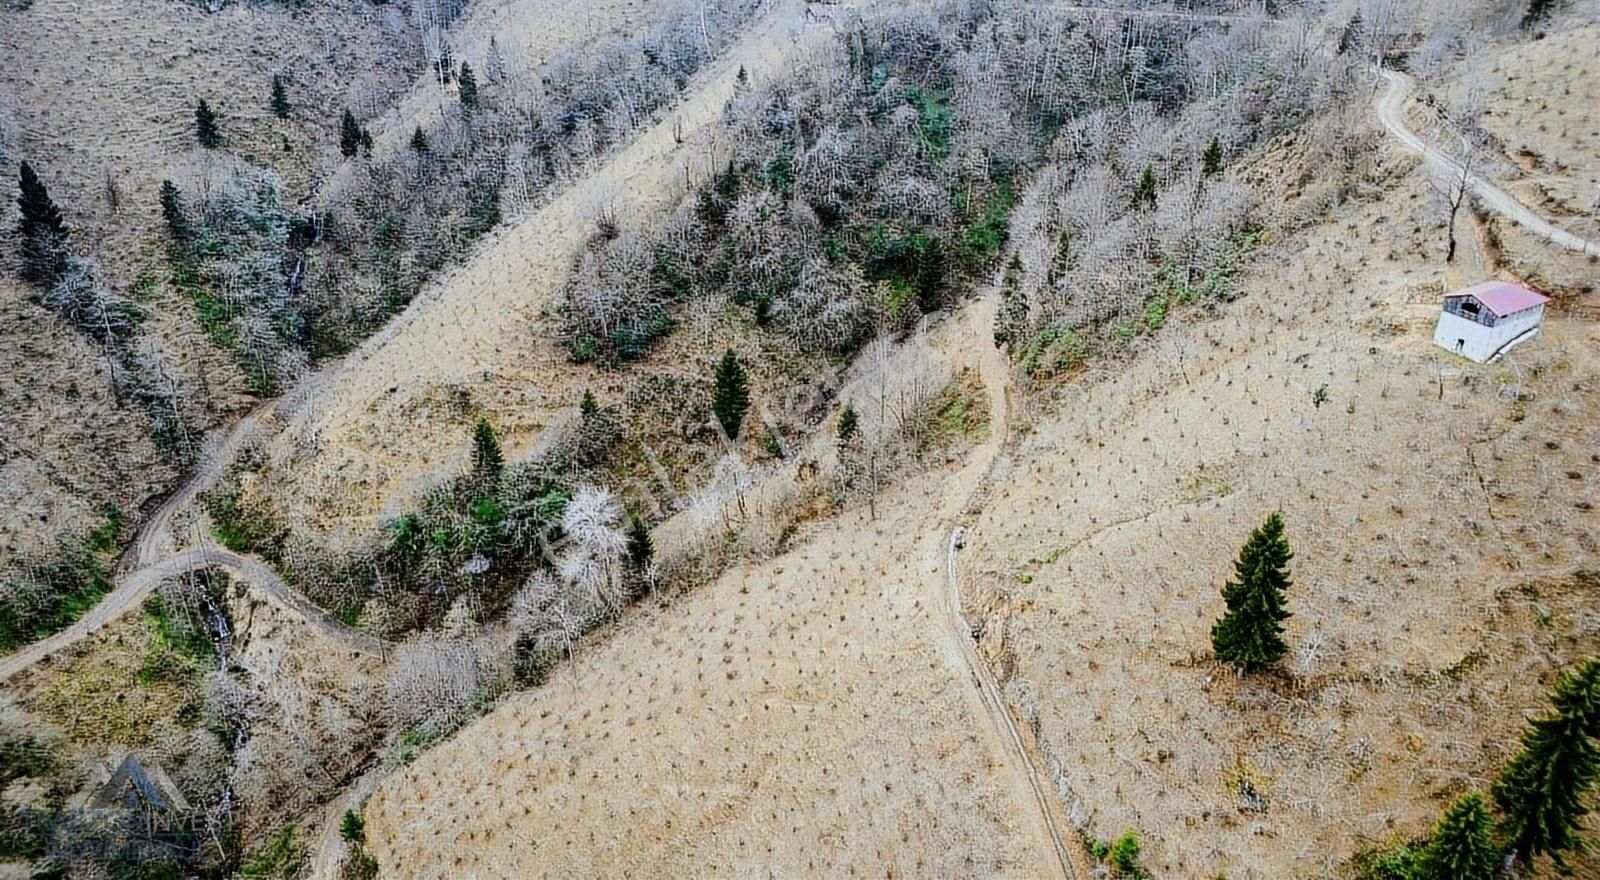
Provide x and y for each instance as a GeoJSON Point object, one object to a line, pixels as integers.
{"type": "Point", "coordinates": [280, 98]}
{"type": "Point", "coordinates": [1462, 845]}
{"type": "Point", "coordinates": [641, 547]}
{"type": "Point", "coordinates": [1012, 320]}
{"type": "Point", "coordinates": [1144, 192]}
{"type": "Point", "coordinates": [349, 134]}
{"type": "Point", "coordinates": [469, 88]}
{"type": "Point", "coordinates": [1211, 161]}
{"type": "Point", "coordinates": [207, 126]}
{"type": "Point", "coordinates": [419, 141]}
{"type": "Point", "coordinates": [1543, 794]}
{"type": "Point", "coordinates": [1538, 10]}
{"type": "Point", "coordinates": [43, 232]}
{"type": "Point", "coordinates": [487, 459]}
{"type": "Point", "coordinates": [588, 406]}
{"type": "Point", "coordinates": [731, 398]}
{"type": "Point", "coordinates": [172, 212]}
{"type": "Point", "coordinates": [366, 140]}
{"type": "Point", "coordinates": [848, 423]}
{"type": "Point", "coordinates": [353, 828]}
{"type": "Point", "coordinates": [1250, 634]}
{"type": "Point", "coordinates": [1350, 37]}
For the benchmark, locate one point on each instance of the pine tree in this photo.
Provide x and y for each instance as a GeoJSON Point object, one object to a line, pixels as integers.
{"type": "Point", "coordinates": [1211, 161]}
{"type": "Point", "coordinates": [366, 140]}
{"type": "Point", "coordinates": [43, 232]}
{"type": "Point", "coordinates": [1013, 318]}
{"type": "Point", "coordinates": [487, 459]}
{"type": "Point", "coordinates": [280, 98]}
{"type": "Point", "coordinates": [1350, 37]}
{"type": "Point", "coordinates": [349, 134]}
{"type": "Point", "coordinates": [848, 423]}
{"type": "Point", "coordinates": [353, 828]}
{"type": "Point", "coordinates": [641, 547]}
{"type": "Point", "coordinates": [588, 406]}
{"type": "Point", "coordinates": [1543, 794]}
{"type": "Point", "coordinates": [1538, 10]}
{"type": "Point", "coordinates": [1250, 634]}
{"type": "Point", "coordinates": [731, 398]}
{"type": "Point", "coordinates": [207, 126]}
{"type": "Point", "coordinates": [173, 213]}
{"type": "Point", "coordinates": [469, 88]}
{"type": "Point", "coordinates": [419, 141]}
{"type": "Point", "coordinates": [1462, 845]}
{"type": "Point", "coordinates": [1144, 192]}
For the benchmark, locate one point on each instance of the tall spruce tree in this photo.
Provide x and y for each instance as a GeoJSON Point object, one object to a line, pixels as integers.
{"type": "Point", "coordinates": [280, 98]}
{"type": "Point", "coordinates": [1462, 845]}
{"type": "Point", "coordinates": [349, 134]}
{"type": "Point", "coordinates": [177, 219]}
{"type": "Point", "coordinates": [207, 125]}
{"type": "Point", "coordinates": [419, 141]}
{"type": "Point", "coordinates": [1250, 634]}
{"type": "Point", "coordinates": [488, 461]}
{"type": "Point", "coordinates": [730, 400]}
{"type": "Point", "coordinates": [588, 406]}
{"type": "Point", "coordinates": [469, 88]}
{"type": "Point", "coordinates": [1543, 794]}
{"type": "Point", "coordinates": [1211, 160]}
{"type": "Point", "coordinates": [43, 232]}
{"type": "Point", "coordinates": [1012, 320]}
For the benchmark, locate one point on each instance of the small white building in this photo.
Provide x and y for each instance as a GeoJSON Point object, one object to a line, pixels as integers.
{"type": "Point", "coordinates": [1486, 320]}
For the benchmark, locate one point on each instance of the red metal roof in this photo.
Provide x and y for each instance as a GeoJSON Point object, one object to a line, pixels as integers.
{"type": "Point", "coordinates": [1503, 297]}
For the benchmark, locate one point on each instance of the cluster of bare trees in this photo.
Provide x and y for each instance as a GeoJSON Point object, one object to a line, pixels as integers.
{"type": "Point", "coordinates": [528, 131]}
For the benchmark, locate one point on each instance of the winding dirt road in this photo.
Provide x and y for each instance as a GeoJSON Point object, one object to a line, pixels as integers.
{"type": "Point", "coordinates": [958, 496]}
{"type": "Point", "coordinates": [1391, 112]}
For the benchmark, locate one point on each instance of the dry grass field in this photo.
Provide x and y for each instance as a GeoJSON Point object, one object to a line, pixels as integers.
{"type": "Point", "coordinates": [1441, 513]}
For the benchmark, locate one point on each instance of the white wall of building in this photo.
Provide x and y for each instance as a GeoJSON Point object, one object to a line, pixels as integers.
{"type": "Point", "coordinates": [1473, 340]}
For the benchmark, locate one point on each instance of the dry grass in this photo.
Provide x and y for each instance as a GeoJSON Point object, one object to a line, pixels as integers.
{"type": "Point", "coordinates": [1424, 499]}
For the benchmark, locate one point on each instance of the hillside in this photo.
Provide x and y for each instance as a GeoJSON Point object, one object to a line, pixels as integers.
{"type": "Point", "coordinates": [779, 438]}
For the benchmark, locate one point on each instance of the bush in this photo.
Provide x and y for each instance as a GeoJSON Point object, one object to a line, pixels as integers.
{"type": "Point", "coordinates": [46, 597]}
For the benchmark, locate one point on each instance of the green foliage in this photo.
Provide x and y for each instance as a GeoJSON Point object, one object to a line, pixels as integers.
{"type": "Point", "coordinates": [349, 134]}
{"type": "Point", "coordinates": [1396, 862]}
{"type": "Point", "coordinates": [279, 857]}
{"type": "Point", "coordinates": [419, 141]}
{"type": "Point", "coordinates": [730, 399]}
{"type": "Point", "coordinates": [353, 828]}
{"type": "Point", "coordinates": [587, 406]}
{"type": "Point", "coordinates": [1462, 845]}
{"type": "Point", "coordinates": [238, 527]}
{"type": "Point", "coordinates": [46, 597]}
{"type": "Point", "coordinates": [1011, 323]}
{"type": "Point", "coordinates": [986, 235]}
{"type": "Point", "coordinates": [1123, 856]}
{"type": "Point", "coordinates": [936, 122]}
{"type": "Point", "coordinates": [1543, 794]}
{"type": "Point", "coordinates": [1250, 634]}
{"type": "Point", "coordinates": [279, 101]}
{"type": "Point", "coordinates": [207, 126]}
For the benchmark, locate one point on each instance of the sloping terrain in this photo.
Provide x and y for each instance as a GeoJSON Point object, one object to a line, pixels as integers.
{"type": "Point", "coordinates": [366, 441]}
{"type": "Point", "coordinates": [807, 715]}
{"type": "Point", "coordinates": [1442, 520]}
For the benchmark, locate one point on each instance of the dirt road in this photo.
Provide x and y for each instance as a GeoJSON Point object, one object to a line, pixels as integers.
{"type": "Point", "coordinates": [133, 587]}
{"type": "Point", "coordinates": [958, 496]}
{"type": "Point", "coordinates": [1391, 112]}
